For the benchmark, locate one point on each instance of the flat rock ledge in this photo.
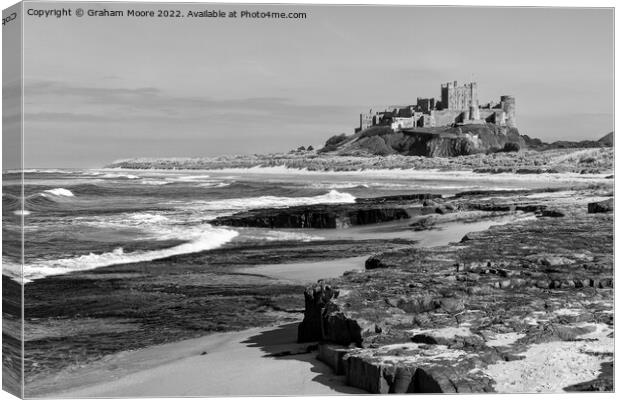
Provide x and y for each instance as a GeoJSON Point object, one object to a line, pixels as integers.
{"type": "Point", "coordinates": [465, 317]}
{"type": "Point", "coordinates": [330, 216]}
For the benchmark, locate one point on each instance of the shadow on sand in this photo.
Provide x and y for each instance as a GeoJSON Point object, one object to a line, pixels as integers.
{"type": "Point", "coordinates": [280, 343]}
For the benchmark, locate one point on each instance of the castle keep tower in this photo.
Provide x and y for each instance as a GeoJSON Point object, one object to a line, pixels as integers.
{"type": "Point", "coordinates": [509, 107]}
{"type": "Point", "coordinates": [455, 97]}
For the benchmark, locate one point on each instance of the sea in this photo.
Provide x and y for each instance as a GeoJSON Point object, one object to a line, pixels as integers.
{"type": "Point", "coordinates": [81, 219]}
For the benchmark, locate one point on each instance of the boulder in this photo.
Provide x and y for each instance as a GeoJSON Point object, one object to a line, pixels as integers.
{"type": "Point", "coordinates": [601, 206]}
{"type": "Point", "coordinates": [316, 298]}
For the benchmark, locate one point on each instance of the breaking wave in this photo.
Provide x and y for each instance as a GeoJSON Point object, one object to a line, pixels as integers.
{"type": "Point", "coordinates": [200, 238]}
{"type": "Point", "coordinates": [332, 197]}
{"type": "Point", "coordinates": [154, 182]}
{"type": "Point", "coordinates": [60, 192]}
{"type": "Point", "coordinates": [120, 176]}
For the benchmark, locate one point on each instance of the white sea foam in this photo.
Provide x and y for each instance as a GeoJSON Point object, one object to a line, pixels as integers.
{"type": "Point", "coordinates": [92, 173]}
{"type": "Point", "coordinates": [155, 182]}
{"type": "Point", "coordinates": [204, 237]}
{"type": "Point", "coordinates": [192, 178]}
{"type": "Point", "coordinates": [12, 270]}
{"type": "Point", "coordinates": [333, 196]}
{"type": "Point", "coordinates": [343, 185]}
{"type": "Point", "coordinates": [214, 184]}
{"type": "Point", "coordinates": [276, 236]}
{"type": "Point", "coordinates": [60, 192]}
{"type": "Point", "coordinates": [120, 176]}
{"type": "Point", "coordinates": [148, 218]}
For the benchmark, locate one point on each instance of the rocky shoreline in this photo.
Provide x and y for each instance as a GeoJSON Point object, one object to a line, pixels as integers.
{"type": "Point", "coordinates": [417, 320]}
{"type": "Point", "coordinates": [469, 316]}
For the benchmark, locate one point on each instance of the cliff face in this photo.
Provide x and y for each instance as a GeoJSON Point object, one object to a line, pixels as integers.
{"type": "Point", "coordinates": [429, 142]}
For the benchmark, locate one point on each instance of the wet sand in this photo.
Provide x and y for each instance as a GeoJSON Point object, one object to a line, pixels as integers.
{"type": "Point", "coordinates": [308, 272]}
{"type": "Point", "coordinates": [223, 364]}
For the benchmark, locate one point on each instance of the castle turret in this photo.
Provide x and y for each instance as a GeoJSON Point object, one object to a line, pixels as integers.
{"type": "Point", "coordinates": [509, 107]}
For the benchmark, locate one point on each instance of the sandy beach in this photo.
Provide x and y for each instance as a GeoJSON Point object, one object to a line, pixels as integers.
{"type": "Point", "coordinates": [308, 271]}
{"type": "Point", "coordinates": [223, 364]}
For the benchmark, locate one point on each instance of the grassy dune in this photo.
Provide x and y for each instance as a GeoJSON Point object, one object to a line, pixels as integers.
{"type": "Point", "coordinates": [597, 160]}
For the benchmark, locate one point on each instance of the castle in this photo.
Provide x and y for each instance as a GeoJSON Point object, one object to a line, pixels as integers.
{"type": "Point", "coordinates": [458, 106]}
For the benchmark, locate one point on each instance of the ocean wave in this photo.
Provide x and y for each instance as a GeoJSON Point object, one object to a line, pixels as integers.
{"type": "Point", "coordinates": [214, 184]}
{"type": "Point", "coordinates": [191, 178]}
{"type": "Point", "coordinates": [60, 192]}
{"type": "Point", "coordinates": [343, 185]}
{"type": "Point", "coordinates": [34, 202]}
{"type": "Point", "coordinates": [120, 176]}
{"type": "Point", "coordinates": [201, 238]}
{"type": "Point", "coordinates": [47, 201]}
{"type": "Point", "coordinates": [154, 182]}
{"type": "Point", "coordinates": [142, 220]}
{"type": "Point", "coordinates": [12, 270]}
{"type": "Point", "coordinates": [147, 218]}
{"type": "Point", "coordinates": [332, 197]}
{"type": "Point", "coordinates": [10, 202]}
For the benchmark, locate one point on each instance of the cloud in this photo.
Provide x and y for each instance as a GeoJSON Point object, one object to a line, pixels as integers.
{"type": "Point", "coordinates": [52, 101]}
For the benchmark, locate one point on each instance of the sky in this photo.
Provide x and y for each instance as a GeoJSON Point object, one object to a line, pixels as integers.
{"type": "Point", "coordinates": [98, 89]}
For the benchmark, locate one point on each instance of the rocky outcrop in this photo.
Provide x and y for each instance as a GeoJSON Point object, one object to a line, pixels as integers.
{"type": "Point", "coordinates": [601, 206]}
{"type": "Point", "coordinates": [315, 216]}
{"type": "Point", "coordinates": [411, 368]}
{"type": "Point", "coordinates": [429, 142]}
{"type": "Point", "coordinates": [437, 319]}
{"type": "Point", "coordinates": [325, 216]}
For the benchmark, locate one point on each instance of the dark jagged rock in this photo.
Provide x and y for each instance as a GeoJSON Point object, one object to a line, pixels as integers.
{"type": "Point", "coordinates": [316, 299]}
{"type": "Point", "coordinates": [505, 193]}
{"type": "Point", "coordinates": [316, 216]}
{"type": "Point", "coordinates": [363, 212]}
{"type": "Point", "coordinates": [552, 213]}
{"type": "Point", "coordinates": [601, 206]}
{"type": "Point", "coordinates": [425, 320]}
{"type": "Point", "coordinates": [416, 197]}
{"type": "Point", "coordinates": [377, 261]}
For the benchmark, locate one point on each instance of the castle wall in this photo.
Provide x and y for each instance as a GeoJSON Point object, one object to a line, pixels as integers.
{"type": "Point", "coordinates": [449, 117]}
{"type": "Point", "coordinates": [494, 116]}
{"type": "Point", "coordinates": [427, 120]}
{"type": "Point", "coordinates": [446, 117]}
